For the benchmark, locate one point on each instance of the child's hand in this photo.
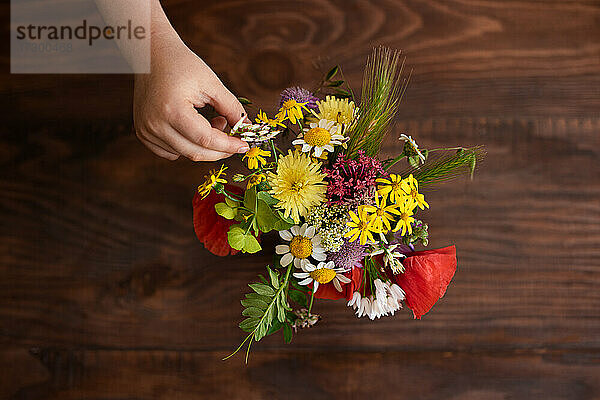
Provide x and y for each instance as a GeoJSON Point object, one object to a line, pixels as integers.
{"type": "Point", "coordinates": [164, 100]}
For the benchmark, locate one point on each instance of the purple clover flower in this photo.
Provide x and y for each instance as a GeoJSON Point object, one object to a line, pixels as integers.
{"type": "Point", "coordinates": [349, 256]}
{"type": "Point", "coordinates": [301, 95]}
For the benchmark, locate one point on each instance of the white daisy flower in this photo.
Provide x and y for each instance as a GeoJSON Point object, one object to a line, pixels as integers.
{"type": "Point", "coordinates": [322, 274]}
{"type": "Point", "coordinates": [254, 133]}
{"type": "Point", "coordinates": [320, 136]}
{"type": "Point", "coordinates": [413, 144]}
{"type": "Point", "coordinates": [304, 243]}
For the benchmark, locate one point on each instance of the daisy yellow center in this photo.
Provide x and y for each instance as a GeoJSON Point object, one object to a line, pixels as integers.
{"type": "Point", "coordinates": [380, 212]}
{"type": "Point", "coordinates": [301, 247]}
{"type": "Point", "coordinates": [395, 186]}
{"type": "Point", "coordinates": [414, 194]}
{"type": "Point", "coordinates": [323, 275]}
{"type": "Point", "coordinates": [289, 104]}
{"type": "Point", "coordinates": [253, 152]}
{"type": "Point", "coordinates": [317, 137]}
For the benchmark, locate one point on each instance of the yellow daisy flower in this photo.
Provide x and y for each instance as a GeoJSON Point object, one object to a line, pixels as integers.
{"type": "Point", "coordinates": [411, 187]}
{"type": "Point", "coordinates": [256, 158]}
{"type": "Point", "coordinates": [381, 214]}
{"type": "Point", "coordinates": [262, 118]}
{"type": "Point", "coordinates": [255, 180]}
{"type": "Point", "coordinates": [392, 186]}
{"type": "Point", "coordinates": [360, 227]}
{"type": "Point", "coordinates": [341, 111]}
{"type": "Point", "coordinates": [292, 110]}
{"type": "Point", "coordinates": [298, 184]}
{"type": "Point", "coordinates": [406, 219]}
{"type": "Point", "coordinates": [213, 178]}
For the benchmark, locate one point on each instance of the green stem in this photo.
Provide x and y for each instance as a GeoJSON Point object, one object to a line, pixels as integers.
{"type": "Point", "coordinates": [239, 347]}
{"type": "Point", "coordinates": [312, 297]}
{"type": "Point", "coordinates": [274, 151]}
{"type": "Point", "coordinates": [231, 196]}
{"type": "Point", "coordinates": [394, 161]}
{"type": "Point", "coordinates": [446, 148]}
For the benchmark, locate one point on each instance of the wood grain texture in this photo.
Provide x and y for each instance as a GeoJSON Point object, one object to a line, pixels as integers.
{"type": "Point", "coordinates": [77, 374]}
{"type": "Point", "coordinates": [106, 293]}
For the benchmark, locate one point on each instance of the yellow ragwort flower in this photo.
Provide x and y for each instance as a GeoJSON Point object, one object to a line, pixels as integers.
{"type": "Point", "coordinates": [360, 227]}
{"type": "Point", "coordinates": [381, 214]}
{"type": "Point", "coordinates": [262, 118]}
{"type": "Point", "coordinates": [392, 187]}
{"type": "Point", "coordinates": [213, 178]}
{"type": "Point", "coordinates": [405, 221]}
{"type": "Point", "coordinates": [298, 184]}
{"type": "Point", "coordinates": [292, 110]}
{"type": "Point", "coordinates": [256, 158]}
{"type": "Point", "coordinates": [410, 186]}
{"type": "Point", "coordinates": [255, 180]}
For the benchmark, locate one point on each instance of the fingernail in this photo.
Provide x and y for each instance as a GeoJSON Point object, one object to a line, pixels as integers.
{"type": "Point", "coordinates": [243, 149]}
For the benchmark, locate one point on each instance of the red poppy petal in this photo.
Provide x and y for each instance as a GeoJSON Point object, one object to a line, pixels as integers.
{"type": "Point", "coordinates": [211, 229]}
{"type": "Point", "coordinates": [425, 279]}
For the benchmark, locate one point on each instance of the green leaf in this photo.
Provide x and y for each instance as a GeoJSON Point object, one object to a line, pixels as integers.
{"type": "Point", "coordinates": [332, 73]}
{"type": "Point", "coordinates": [274, 327]}
{"type": "Point", "coordinates": [244, 101]}
{"type": "Point", "coordinates": [298, 297]}
{"type": "Point", "coordinates": [256, 296]}
{"type": "Point", "coordinates": [472, 165]}
{"type": "Point", "coordinates": [231, 203]}
{"type": "Point", "coordinates": [283, 224]}
{"type": "Point", "coordinates": [413, 161]}
{"type": "Point", "coordinates": [281, 314]}
{"type": "Point", "coordinates": [236, 237]}
{"type": "Point", "coordinates": [252, 312]}
{"type": "Point", "coordinates": [242, 240]}
{"type": "Point", "coordinates": [274, 278]}
{"type": "Point", "coordinates": [261, 288]}
{"type": "Point", "coordinates": [225, 211]}
{"type": "Point", "coordinates": [250, 199]}
{"type": "Point", "coordinates": [335, 83]}
{"type": "Point", "coordinates": [287, 333]}
{"type": "Point", "coordinates": [265, 217]}
{"type": "Point", "coordinates": [251, 245]}
{"type": "Point", "coordinates": [342, 93]}
{"type": "Point", "coordinates": [255, 303]}
{"type": "Point", "coordinates": [267, 198]}
{"type": "Point", "coordinates": [249, 324]}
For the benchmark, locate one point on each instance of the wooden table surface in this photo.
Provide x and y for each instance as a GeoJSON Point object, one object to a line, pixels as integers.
{"type": "Point", "coordinates": [105, 292]}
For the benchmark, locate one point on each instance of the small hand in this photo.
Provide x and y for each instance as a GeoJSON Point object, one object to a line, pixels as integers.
{"type": "Point", "coordinates": [164, 115]}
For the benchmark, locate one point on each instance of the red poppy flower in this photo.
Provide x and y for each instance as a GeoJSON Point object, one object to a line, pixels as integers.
{"type": "Point", "coordinates": [211, 229]}
{"type": "Point", "coordinates": [425, 279]}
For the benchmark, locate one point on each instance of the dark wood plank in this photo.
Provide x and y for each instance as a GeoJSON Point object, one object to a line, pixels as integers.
{"type": "Point", "coordinates": [105, 292]}
{"type": "Point", "coordinates": [101, 374]}
{"type": "Point", "coordinates": [478, 58]}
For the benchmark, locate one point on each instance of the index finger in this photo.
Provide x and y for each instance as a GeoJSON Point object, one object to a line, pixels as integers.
{"type": "Point", "coordinates": [197, 129]}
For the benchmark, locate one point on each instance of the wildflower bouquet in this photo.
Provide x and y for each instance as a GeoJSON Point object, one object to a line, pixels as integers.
{"type": "Point", "coordinates": [348, 225]}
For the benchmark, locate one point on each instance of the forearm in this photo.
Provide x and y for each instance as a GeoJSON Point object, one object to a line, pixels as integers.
{"type": "Point", "coordinates": [147, 13]}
